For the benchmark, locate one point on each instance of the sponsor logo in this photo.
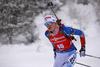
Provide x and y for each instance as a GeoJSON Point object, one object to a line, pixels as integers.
{"type": "Point", "coordinates": [47, 18]}
{"type": "Point", "coordinates": [55, 39]}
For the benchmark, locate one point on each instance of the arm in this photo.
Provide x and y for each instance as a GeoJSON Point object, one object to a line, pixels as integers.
{"type": "Point", "coordinates": [73, 31]}
{"type": "Point", "coordinates": [82, 36]}
{"type": "Point", "coordinates": [82, 39]}
{"type": "Point", "coordinates": [54, 49]}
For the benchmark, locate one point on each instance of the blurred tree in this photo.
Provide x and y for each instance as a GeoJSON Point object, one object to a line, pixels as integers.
{"type": "Point", "coordinates": [15, 14]}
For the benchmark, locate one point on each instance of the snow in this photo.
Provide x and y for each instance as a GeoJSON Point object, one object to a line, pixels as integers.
{"type": "Point", "coordinates": [40, 54]}
{"type": "Point", "coordinates": [25, 56]}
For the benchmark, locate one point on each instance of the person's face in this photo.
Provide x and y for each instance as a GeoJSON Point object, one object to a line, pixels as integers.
{"type": "Point", "coordinates": [51, 26]}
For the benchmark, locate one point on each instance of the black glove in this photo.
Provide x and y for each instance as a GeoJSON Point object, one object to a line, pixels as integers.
{"type": "Point", "coordinates": [82, 51]}
{"type": "Point", "coordinates": [54, 53]}
{"type": "Point", "coordinates": [59, 21]}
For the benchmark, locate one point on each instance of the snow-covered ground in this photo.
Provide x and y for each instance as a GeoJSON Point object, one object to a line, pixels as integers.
{"type": "Point", "coordinates": [25, 56]}
{"type": "Point", "coordinates": [40, 54]}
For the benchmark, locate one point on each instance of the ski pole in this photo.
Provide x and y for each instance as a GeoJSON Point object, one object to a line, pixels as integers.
{"type": "Point", "coordinates": [92, 56]}
{"type": "Point", "coordinates": [83, 64]}
{"type": "Point", "coordinates": [50, 4]}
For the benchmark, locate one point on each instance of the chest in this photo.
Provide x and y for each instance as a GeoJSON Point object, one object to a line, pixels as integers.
{"type": "Point", "coordinates": [57, 38]}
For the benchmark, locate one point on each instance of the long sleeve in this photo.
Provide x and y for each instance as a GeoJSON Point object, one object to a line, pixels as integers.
{"type": "Point", "coordinates": [69, 30]}
{"type": "Point", "coordinates": [82, 36]}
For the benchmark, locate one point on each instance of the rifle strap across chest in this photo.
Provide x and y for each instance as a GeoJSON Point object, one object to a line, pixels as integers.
{"type": "Point", "coordinates": [62, 31]}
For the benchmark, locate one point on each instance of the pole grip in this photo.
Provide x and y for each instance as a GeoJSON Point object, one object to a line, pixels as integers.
{"type": "Point", "coordinates": [50, 4]}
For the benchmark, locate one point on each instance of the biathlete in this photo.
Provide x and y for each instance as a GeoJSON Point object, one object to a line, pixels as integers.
{"type": "Point", "coordinates": [64, 49]}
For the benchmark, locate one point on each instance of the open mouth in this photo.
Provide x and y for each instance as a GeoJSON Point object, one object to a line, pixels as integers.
{"type": "Point", "coordinates": [49, 27]}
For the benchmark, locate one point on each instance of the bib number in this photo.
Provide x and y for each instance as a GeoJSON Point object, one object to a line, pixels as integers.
{"type": "Point", "coordinates": [60, 46]}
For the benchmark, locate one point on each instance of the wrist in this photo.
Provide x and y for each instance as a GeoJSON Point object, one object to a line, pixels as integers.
{"type": "Point", "coordinates": [83, 48]}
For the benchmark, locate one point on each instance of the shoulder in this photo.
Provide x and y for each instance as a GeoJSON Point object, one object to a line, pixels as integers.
{"type": "Point", "coordinates": [67, 28]}
{"type": "Point", "coordinates": [46, 33]}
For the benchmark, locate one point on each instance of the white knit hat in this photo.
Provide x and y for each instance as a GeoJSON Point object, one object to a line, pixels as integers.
{"type": "Point", "coordinates": [49, 18]}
